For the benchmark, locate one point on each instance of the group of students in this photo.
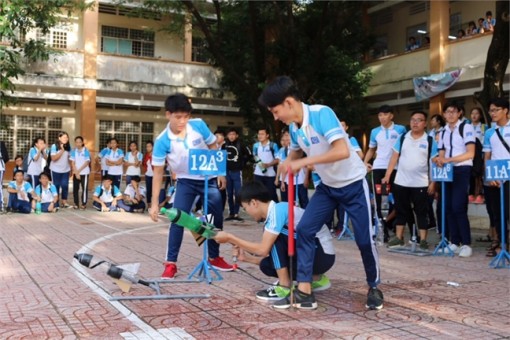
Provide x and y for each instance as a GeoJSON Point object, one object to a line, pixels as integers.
{"type": "Point", "coordinates": [484, 25]}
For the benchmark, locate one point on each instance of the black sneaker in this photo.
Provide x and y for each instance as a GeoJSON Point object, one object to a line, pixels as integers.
{"type": "Point", "coordinates": [229, 218]}
{"type": "Point", "coordinates": [374, 299]}
{"type": "Point", "coordinates": [301, 301]}
{"type": "Point", "coordinates": [273, 293]}
{"type": "Point", "coordinates": [237, 218]}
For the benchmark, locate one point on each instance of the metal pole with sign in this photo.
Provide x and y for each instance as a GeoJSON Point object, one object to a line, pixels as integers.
{"type": "Point", "coordinates": [499, 170]}
{"type": "Point", "coordinates": [206, 163]}
{"type": "Point", "coordinates": [442, 174]}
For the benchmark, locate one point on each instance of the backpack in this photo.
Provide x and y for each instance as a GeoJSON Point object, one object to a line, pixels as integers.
{"type": "Point", "coordinates": [478, 164]}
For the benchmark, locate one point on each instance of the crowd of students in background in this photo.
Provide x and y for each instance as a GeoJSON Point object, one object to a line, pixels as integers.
{"type": "Point", "coordinates": [41, 179]}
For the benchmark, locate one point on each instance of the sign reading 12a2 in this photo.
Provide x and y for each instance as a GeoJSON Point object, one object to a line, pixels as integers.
{"type": "Point", "coordinates": [207, 162]}
{"type": "Point", "coordinates": [497, 170]}
{"type": "Point", "coordinates": [441, 174]}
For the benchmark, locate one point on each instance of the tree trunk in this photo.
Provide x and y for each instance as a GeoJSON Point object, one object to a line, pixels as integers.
{"type": "Point", "coordinates": [497, 58]}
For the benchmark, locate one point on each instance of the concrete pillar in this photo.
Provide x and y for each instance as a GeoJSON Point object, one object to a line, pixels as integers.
{"type": "Point", "coordinates": [87, 110]}
{"type": "Point", "coordinates": [439, 18]}
{"type": "Point", "coordinates": [188, 41]}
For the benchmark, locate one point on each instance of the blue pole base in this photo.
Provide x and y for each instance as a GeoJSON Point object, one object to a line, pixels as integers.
{"type": "Point", "coordinates": [346, 233]}
{"type": "Point", "coordinates": [202, 270]}
{"type": "Point", "coordinates": [502, 260]}
{"type": "Point", "coordinates": [443, 249]}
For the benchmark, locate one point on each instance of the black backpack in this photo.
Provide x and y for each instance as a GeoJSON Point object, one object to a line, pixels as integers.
{"type": "Point", "coordinates": [478, 164]}
{"type": "Point", "coordinates": [429, 149]}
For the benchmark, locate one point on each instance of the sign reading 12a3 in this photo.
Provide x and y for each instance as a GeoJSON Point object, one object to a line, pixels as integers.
{"type": "Point", "coordinates": [441, 174]}
{"type": "Point", "coordinates": [497, 170]}
{"type": "Point", "coordinates": [207, 162]}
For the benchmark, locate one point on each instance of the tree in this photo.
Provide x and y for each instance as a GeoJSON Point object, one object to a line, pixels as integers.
{"type": "Point", "coordinates": [17, 18]}
{"type": "Point", "coordinates": [319, 44]}
{"type": "Point", "coordinates": [497, 58]}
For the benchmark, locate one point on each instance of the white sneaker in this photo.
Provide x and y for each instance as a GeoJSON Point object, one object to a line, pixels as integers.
{"type": "Point", "coordinates": [465, 251]}
{"type": "Point", "coordinates": [454, 247]}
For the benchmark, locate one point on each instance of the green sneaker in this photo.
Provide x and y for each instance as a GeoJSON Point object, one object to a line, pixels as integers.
{"type": "Point", "coordinates": [321, 284]}
{"type": "Point", "coordinates": [395, 243]}
{"type": "Point", "coordinates": [424, 245]}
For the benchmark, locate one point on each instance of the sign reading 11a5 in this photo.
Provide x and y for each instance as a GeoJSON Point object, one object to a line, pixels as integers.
{"type": "Point", "coordinates": [498, 170]}
{"type": "Point", "coordinates": [207, 162]}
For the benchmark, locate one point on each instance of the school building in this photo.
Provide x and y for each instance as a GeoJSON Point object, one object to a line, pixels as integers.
{"type": "Point", "coordinates": [394, 68]}
{"type": "Point", "coordinates": [111, 79]}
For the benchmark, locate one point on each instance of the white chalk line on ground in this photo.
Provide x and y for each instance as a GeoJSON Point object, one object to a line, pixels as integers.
{"type": "Point", "coordinates": [147, 330]}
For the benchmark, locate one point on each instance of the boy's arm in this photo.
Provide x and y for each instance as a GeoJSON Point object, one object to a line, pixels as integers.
{"type": "Point", "coordinates": [391, 167]}
{"type": "Point", "coordinates": [262, 249]}
{"type": "Point", "coordinates": [157, 178]}
{"type": "Point", "coordinates": [338, 151]}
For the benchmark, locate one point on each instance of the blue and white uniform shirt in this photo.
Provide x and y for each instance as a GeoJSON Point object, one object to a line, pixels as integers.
{"type": "Point", "coordinates": [23, 190]}
{"type": "Point", "coordinates": [479, 131]}
{"type": "Point", "coordinates": [130, 158]}
{"type": "Point", "coordinates": [102, 156]}
{"type": "Point", "coordinates": [265, 154]}
{"type": "Point", "coordinates": [114, 156]}
{"type": "Point", "coordinates": [282, 156]}
{"type": "Point", "coordinates": [80, 157]}
{"type": "Point", "coordinates": [130, 191]}
{"type": "Point", "coordinates": [493, 144]}
{"type": "Point", "coordinates": [176, 150]}
{"type": "Point", "coordinates": [47, 194]}
{"type": "Point", "coordinates": [319, 130]}
{"type": "Point", "coordinates": [35, 166]}
{"type": "Point", "coordinates": [383, 139]}
{"type": "Point", "coordinates": [354, 144]}
{"type": "Point", "coordinates": [61, 165]}
{"type": "Point", "coordinates": [107, 195]}
{"type": "Point", "coordinates": [413, 171]}
{"type": "Point", "coordinates": [277, 221]}
{"type": "Point", "coordinates": [454, 144]}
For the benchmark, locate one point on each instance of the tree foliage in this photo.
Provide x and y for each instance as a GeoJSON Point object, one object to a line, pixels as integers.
{"type": "Point", "coordinates": [317, 43]}
{"type": "Point", "coordinates": [17, 18]}
{"type": "Point", "coordinates": [497, 58]}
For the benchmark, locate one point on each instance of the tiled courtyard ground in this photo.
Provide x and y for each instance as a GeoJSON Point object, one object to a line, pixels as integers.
{"type": "Point", "coordinates": [45, 294]}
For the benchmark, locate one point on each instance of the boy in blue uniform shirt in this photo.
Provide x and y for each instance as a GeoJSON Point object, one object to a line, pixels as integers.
{"type": "Point", "coordinates": [46, 194]}
{"type": "Point", "coordinates": [106, 196]}
{"type": "Point", "coordinates": [271, 254]}
{"type": "Point", "coordinates": [173, 144]}
{"type": "Point", "coordinates": [316, 131]}
{"type": "Point", "coordinates": [20, 194]}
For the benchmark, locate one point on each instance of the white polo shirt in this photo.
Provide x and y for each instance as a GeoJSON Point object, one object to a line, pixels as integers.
{"type": "Point", "coordinates": [130, 158]}
{"type": "Point", "coordinates": [62, 164]}
{"type": "Point", "coordinates": [383, 139]}
{"type": "Point", "coordinates": [319, 129]}
{"type": "Point", "coordinates": [493, 144]}
{"type": "Point", "coordinates": [454, 144]}
{"type": "Point", "coordinates": [150, 171]}
{"type": "Point", "coordinates": [113, 156]}
{"type": "Point", "coordinates": [479, 131]}
{"type": "Point", "coordinates": [176, 150]}
{"type": "Point", "coordinates": [107, 195]}
{"type": "Point", "coordinates": [130, 191]}
{"type": "Point", "coordinates": [47, 194]}
{"type": "Point", "coordinates": [413, 170]}
{"type": "Point", "coordinates": [35, 167]}
{"type": "Point", "coordinates": [23, 190]}
{"type": "Point", "coordinates": [102, 157]}
{"type": "Point", "coordinates": [265, 154]}
{"type": "Point", "coordinates": [79, 157]}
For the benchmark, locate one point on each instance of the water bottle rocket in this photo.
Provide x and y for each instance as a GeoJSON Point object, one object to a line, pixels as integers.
{"type": "Point", "coordinates": [189, 222]}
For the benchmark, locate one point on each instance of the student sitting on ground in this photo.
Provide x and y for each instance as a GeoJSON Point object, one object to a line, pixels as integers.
{"type": "Point", "coordinates": [272, 250]}
{"type": "Point", "coordinates": [166, 200]}
{"type": "Point", "coordinates": [106, 196]}
{"type": "Point", "coordinates": [20, 194]}
{"type": "Point", "coordinates": [46, 194]}
{"type": "Point", "coordinates": [133, 197]}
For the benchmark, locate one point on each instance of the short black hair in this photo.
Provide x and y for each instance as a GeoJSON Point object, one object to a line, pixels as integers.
{"type": "Point", "coordinates": [278, 90]}
{"type": "Point", "coordinates": [488, 13]}
{"type": "Point", "coordinates": [78, 137]}
{"type": "Point", "coordinates": [108, 178]}
{"type": "Point", "coordinates": [136, 179]}
{"type": "Point", "coordinates": [453, 104]}
{"type": "Point", "coordinates": [178, 103]}
{"type": "Point", "coordinates": [44, 174]}
{"type": "Point", "coordinates": [439, 118]}
{"type": "Point", "coordinates": [385, 109]}
{"type": "Point", "coordinates": [232, 129]}
{"type": "Point", "coordinates": [421, 113]}
{"type": "Point", "coordinates": [253, 190]}
{"type": "Point", "coordinates": [499, 102]}
{"type": "Point", "coordinates": [220, 131]}
{"type": "Point", "coordinates": [18, 157]}
{"type": "Point", "coordinates": [19, 170]}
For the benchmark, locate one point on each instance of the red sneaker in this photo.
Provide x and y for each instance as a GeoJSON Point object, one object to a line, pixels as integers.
{"type": "Point", "coordinates": [170, 271]}
{"type": "Point", "coordinates": [471, 198]}
{"type": "Point", "coordinates": [479, 200]}
{"type": "Point", "coordinates": [220, 264]}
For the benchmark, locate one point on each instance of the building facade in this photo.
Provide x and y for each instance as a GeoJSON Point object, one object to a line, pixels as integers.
{"type": "Point", "coordinates": [111, 79]}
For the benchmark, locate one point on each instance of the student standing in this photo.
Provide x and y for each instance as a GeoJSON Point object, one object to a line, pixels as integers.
{"type": "Point", "coordinates": [36, 156]}
{"type": "Point", "coordinates": [264, 153]}
{"type": "Point", "coordinates": [147, 166]}
{"type": "Point", "coordinates": [101, 159]}
{"type": "Point", "coordinates": [173, 144]}
{"type": "Point", "coordinates": [316, 131]}
{"type": "Point", "coordinates": [457, 147]}
{"type": "Point", "coordinates": [60, 167]}
{"type": "Point", "coordinates": [133, 161]}
{"type": "Point", "coordinates": [114, 161]}
{"type": "Point", "coordinates": [80, 163]}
